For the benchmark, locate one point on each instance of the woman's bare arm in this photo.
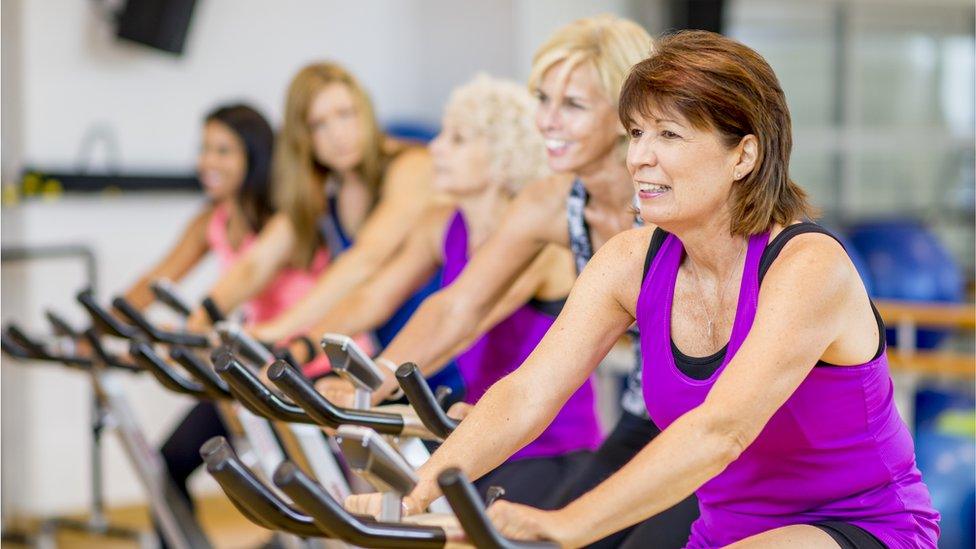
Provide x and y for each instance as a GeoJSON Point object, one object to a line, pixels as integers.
{"type": "Point", "coordinates": [183, 256]}
{"type": "Point", "coordinates": [800, 314]}
{"type": "Point", "coordinates": [452, 316]}
{"type": "Point", "coordinates": [516, 409]}
{"type": "Point", "coordinates": [252, 272]}
{"type": "Point", "coordinates": [375, 301]}
{"type": "Point", "coordinates": [550, 276]}
{"type": "Point", "coordinates": [405, 195]}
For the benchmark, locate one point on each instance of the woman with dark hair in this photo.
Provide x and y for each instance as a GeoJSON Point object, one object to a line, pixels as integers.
{"type": "Point", "coordinates": [342, 184]}
{"type": "Point", "coordinates": [763, 357]}
{"type": "Point", "coordinates": [234, 167]}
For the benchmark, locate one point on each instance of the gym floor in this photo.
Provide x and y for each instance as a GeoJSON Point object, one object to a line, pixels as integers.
{"type": "Point", "coordinates": [222, 523]}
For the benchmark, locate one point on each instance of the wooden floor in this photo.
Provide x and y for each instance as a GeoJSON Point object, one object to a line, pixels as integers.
{"type": "Point", "coordinates": [225, 527]}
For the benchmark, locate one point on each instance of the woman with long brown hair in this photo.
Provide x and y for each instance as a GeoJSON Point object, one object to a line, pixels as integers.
{"type": "Point", "coordinates": [338, 178]}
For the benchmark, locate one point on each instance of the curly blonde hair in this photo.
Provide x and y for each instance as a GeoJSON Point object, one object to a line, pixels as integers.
{"type": "Point", "coordinates": [502, 112]}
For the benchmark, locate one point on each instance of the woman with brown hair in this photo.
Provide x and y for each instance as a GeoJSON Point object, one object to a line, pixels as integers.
{"type": "Point", "coordinates": [576, 77]}
{"type": "Point", "coordinates": [234, 169]}
{"type": "Point", "coordinates": [337, 177]}
{"type": "Point", "coordinates": [361, 191]}
{"type": "Point", "coordinates": [763, 357]}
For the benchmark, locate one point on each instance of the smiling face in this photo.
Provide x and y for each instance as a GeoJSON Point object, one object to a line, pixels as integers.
{"type": "Point", "coordinates": [576, 118]}
{"type": "Point", "coordinates": [222, 162]}
{"type": "Point", "coordinates": [461, 159]}
{"type": "Point", "coordinates": [336, 127]}
{"type": "Point", "coordinates": [683, 175]}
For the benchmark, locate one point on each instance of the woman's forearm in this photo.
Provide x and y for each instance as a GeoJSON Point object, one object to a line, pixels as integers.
{"type": "Point", "coordinates": [440, 323]}
{"type": "Point", "coordinates": [690, 452]}
{"type": "Point", "coordinates": [351, 269]}
{"type": "Point", "coordinates": [507, 417]}
{"type": "Point", "coordinates": [355, 314]}
{"type": "Point", "coordinates": [244, 281]}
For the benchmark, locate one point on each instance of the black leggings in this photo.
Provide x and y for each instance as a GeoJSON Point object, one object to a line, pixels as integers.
{"type": "Point", "coordinates": [668, 529]}
{"type": "Point", "coordinates": [530, 481]}
{"type": "Point", "coordinates": [181, 451]}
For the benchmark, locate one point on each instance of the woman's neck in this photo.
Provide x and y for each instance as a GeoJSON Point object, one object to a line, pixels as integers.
{"type": "Point", "coordinates": [711, 247]}
{"type": "Point", "coordinates": [482, 212]}
{"type": "Point", "coordinates": [238, 225]}
{"type": "Point", "coordinates": [609, 184]}
{"type": "Point", "coordinates": [233, 207]}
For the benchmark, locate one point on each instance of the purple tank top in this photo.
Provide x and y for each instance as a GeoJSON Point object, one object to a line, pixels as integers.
{"type": "Point", "coordinates": [835, 450]}
{"type": "Point", "coordinates": [503, 349]}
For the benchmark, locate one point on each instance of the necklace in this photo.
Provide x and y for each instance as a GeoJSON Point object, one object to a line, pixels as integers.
{"type": "Point", "coordinates": [721, 297]}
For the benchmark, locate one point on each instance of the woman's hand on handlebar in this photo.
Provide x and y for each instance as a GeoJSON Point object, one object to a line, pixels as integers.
{"type": "Point", "coordinates": [198, 321]}
{"type": "Point", "coordinates": [369, 504]}
{"type": "Point", "coordinates": [521, 522]}
{"type": "Point", "coordinates": [264, 332]}
{"type": "Point", "coordinates": [336, 390]}
{"type": "Point", "coordinates": [460, 410]}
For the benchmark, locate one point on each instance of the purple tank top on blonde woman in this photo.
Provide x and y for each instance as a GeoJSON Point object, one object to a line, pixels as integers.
{"type": "Point", "coordinates": [835, 451]}
{"type": "Point", "coordinates": [287, 287]}
{"type": "Point", "coordinates": [503, 349]}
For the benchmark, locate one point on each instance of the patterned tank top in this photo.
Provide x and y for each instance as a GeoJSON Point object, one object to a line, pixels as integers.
{"type": "Point", "coordinates": [581, 244]}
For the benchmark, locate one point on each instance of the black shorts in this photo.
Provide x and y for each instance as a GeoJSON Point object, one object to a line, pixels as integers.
{"type": "Point", "coordinates": [849, 536]}
{"type": "Point", "coordinates": [529, 481]}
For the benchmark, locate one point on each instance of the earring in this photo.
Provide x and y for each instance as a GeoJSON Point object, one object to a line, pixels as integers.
{"type": "Point", "coordinates": [736, 176]}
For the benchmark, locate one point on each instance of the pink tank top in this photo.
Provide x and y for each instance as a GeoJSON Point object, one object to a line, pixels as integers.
{"type": "Point", "coordinates": [287, 287]}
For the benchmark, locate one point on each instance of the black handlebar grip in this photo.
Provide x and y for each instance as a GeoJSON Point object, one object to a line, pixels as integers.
{"type": "Point", "coordinates": [146, 356]}
{"type": "Point", "coordinates": [13, 348]}
{"type": "Point", "coordinates": [329, 515]}
{"type": "Point", "coordinates": [253, 394]}
{"type": "Point", "coordinates": [165, 295]}
{"type": "Point", "coordinates": [259, 502]}
{"type": "Point", "coordinates": [212, 310]}
{"type": "Point", "coordinates": [470, 512]}
{"type": "Point", "coordinates": [61, 326]}
{"type": "Point", "coordinates": [138, 319]}
{"type": "Point", "coordinates": [102, 319]}
{"type": "Point", "coordinates": [418, 392]}
{"type": "Point", "coordinates": [201, 371]}
{"type": "Point", "coordinates": [299, 389]}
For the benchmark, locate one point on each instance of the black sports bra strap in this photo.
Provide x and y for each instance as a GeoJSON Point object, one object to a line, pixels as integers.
{"type": "Point", "coordinates": [774, 248]}
{"type": "Point", "coordinates": [657, 240]}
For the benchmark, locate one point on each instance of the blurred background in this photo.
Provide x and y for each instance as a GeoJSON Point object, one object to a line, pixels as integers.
{"type": "Point", "coordinates": [102, 103]}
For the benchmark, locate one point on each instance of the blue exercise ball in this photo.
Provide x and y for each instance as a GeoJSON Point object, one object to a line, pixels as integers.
{"type": "Point", "coordinates": [421, 132]}
{"type": "Point", "coordinates": [859, 263]}
{"type": "Point", "coordinates": [906, 261]}
{"type": "Point", "coordinates": [947, 463]}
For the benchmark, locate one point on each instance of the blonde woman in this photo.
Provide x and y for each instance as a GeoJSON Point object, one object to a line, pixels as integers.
{"type": "Point", "coordinates": [338, 177]}
{"type": "Point", "coordinates": [576, 75]}
{"type": "Point", "coordinates": [486, 151]}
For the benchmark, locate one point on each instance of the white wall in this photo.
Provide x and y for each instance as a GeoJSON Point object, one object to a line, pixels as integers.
{"type": "Point", "coordinates": [76, 79]}
{"type": "Point", "coordinates": [65, 76]}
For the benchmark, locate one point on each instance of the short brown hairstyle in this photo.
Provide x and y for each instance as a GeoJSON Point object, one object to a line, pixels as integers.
{"type": "Point", "coordinates": [717, 83]}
